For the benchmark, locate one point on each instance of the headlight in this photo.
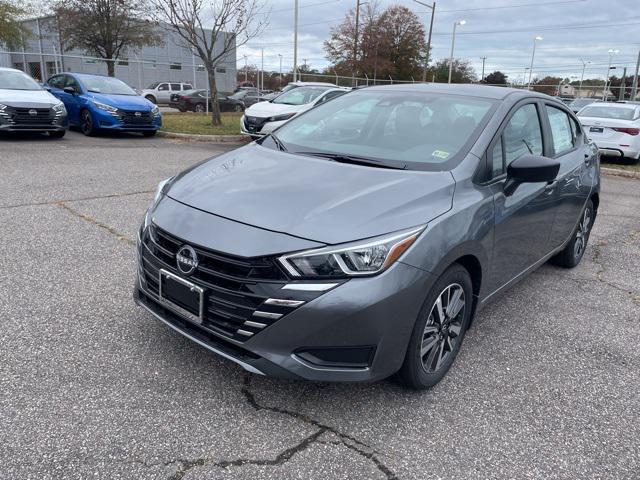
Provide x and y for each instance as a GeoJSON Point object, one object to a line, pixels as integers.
{"type": "Point", "coordinates": [279, 118]}
{"type": "Point", "coordinates": [159, 190]}
{"type": "Point", "coordinates": [361, 258]}
{"type": "Point", "coordinates": [155, 110]}
{"type": "Point", "coordinates": [105, 107]}
{"type": "Point", "coordinates": [59, 107]}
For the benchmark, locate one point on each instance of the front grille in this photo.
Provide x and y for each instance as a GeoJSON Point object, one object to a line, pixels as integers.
{"type": "Point", "coordinates": [254, 124]}
{"type": "Point", "coordinates": [234, 287]}
{"type": "Point", "coordinates": [30, 116]}
{"type": "Point", "coordinates": [135, 117]}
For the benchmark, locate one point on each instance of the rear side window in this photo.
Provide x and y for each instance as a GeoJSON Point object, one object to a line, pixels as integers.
{"type": "Point", "coordinates": [561, 131]}
{"type": "Point", "coordinates": [175, 86]}
{"type": "Point", "coordinates": [186, 86]}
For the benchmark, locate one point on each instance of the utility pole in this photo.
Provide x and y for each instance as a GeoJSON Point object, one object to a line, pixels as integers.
{"type": "Point", "coordinates": [246, 69]}
{"type": "Point", "coordinates": [295, 41]}
{"type": "Point", "coordinates": [611, 53]}
{"type": "Point", "coordinates": [261, 70]}
{"type": "Point", "coordinates": [634, 88]}
{"type": "Point", "coordinates": [623, 86]}
{"type": "Point", "coordinates": [426, 58]}
{"type": "Point", "coordinates": [280, 71]}
{"type": "Point", "coordinates": [483, 60]}
{"type": "Point", "coordinates": [355, 45]}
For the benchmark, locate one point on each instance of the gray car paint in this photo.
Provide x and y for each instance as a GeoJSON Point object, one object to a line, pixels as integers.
{"type": "Point", "coordinates": [256, 201]}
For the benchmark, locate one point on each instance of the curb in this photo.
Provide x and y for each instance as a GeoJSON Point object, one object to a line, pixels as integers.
{"type": "Point", "coordinates": [232, 139]}
{"type": "Point", "coordinates": [620, 173]}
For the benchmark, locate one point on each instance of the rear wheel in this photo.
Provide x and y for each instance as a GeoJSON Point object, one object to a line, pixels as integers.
{"type": "Point", "coordinates": [57, 134]}
{"type": "Point", "coordinates": [237, 108]}
{"type": "Point", "coordinates": [573, 252]}
{"type": "Point", "coordinates": [439, 329]}
{"type": "Point", "coordinates": [199, 107]}
{"type": "Point", "coordinates": [86, 123]}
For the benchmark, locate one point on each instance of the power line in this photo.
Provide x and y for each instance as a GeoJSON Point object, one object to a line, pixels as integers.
{"type": "Point", "coordinates": [503, 7]}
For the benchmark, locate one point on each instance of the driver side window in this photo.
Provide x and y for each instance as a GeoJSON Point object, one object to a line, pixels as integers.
{"type": "Point", "coordinates": [521, 136]}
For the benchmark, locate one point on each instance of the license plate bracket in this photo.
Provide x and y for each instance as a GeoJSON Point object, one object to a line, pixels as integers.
{"type": "Point", "coordinates": [180, 295]}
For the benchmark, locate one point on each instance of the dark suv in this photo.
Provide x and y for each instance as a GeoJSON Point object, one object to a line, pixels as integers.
{"type": "Point", "coordinates": [359, 239]}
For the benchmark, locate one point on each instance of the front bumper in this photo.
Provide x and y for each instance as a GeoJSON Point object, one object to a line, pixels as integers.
{"type": "Point", "coordinates": [107, 121]}
{"type": "Point", "coordinates": [262, 131]}
{"type": "Point", "coordinates": [368, 318]}
{"type": "Point", "coordinates": [54, 125]}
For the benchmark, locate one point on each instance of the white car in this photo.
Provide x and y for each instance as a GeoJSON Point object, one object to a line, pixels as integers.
{"type": "Point", "coordinates": [27, 107]}
{"type": "Point", "coordinates": [263, 118]}
{"type": "Point", "coordinates": [614, 127]}
{"type": "Point", "coordinates": [160, 92]}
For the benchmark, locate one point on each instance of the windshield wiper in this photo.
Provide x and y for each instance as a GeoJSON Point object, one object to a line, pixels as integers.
{"type": "Point", "coordinates": [353, 159]}
{"type": "Point", "coordinates": [278, 142]}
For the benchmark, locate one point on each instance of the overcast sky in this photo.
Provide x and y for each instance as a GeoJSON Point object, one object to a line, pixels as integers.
{"type": "Point", "coordinates": [501, 30]}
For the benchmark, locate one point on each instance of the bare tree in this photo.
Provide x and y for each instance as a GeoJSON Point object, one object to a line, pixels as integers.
{"type": "Point", "coordinates": [105, 28]}
{"type": "Point", "coordinates": [213, 29]}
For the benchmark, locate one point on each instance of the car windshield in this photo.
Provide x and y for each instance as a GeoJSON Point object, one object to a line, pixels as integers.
{"type": "Point", "coordinates": [106, 85]}
{"type": "Point", "coordinates": [398, 129]}
{"type": "Point", "coordinates": [300, 95]}
{"type": "Point", "coordinates": [153, 85]}
{"type": "Point", "coordinates": [239, 95]}
{"type": "Point", "coordinates": [602, 111]}
{"type": "Point", "coordinates": [581, 103]}
{"type": "Point", "coordinates": [11, 80]}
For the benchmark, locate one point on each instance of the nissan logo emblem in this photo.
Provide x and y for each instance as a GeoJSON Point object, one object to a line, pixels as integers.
{"type": "Point", "coordinates": [138, 114]}
{"type": "Point", "coordinates": [187, 259]}
{"type": "Point", "coordinates": [33, 112]}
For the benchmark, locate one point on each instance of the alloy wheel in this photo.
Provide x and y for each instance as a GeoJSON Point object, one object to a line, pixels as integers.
{"type": "Point", "coordinates": [86, 123]}
{"type": "Point", "coordinates": [582, 234]}
{"type": "Point", "coordinates": [441, 333]}
{"type": "Point", "coordinates": [199, 108]}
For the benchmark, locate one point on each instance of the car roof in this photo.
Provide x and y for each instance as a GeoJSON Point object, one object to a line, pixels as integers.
{"type": "Point", "coordinates": [617, 105]}
{"type": "Point", "coordinates": [7, 69]}
{"type": "Point", "coordinates": [472, 90]}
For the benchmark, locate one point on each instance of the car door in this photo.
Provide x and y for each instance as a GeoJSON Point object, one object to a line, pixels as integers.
{"type": "Point", "coordinates": [72, 101]}
{"type": "Point", "coordinates": [523, 220]}
{"type": "Point", "coordinates": [163, 93]}
{"type": "Point", "coordinates": [567, 145]}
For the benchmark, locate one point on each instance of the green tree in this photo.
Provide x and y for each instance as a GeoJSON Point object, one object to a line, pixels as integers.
{"type": "Point", "coordinates": [12, 32]}
{"type": "Point", "coordinates": [495, 78]}
{"type": "Point", "coordinates": [462, 72]}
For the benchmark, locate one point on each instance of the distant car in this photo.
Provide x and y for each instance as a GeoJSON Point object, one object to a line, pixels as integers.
{"type": "Point", "coordinates": [196, 101]}
{"type": "Point", "coordinates": [26, 107]}
{"type": "Point", "coordinates": [614, 128]}
{"type": "Point", "coordinates": [249, 96]}
{"type": "Point", "coordinates": [565, 100]}
{"type": "Point", "coordinates": [97, 102]}
{"type": "Point", "coordinates": [578, 103]}
{"type": "Point", "coordinates": [263, 118]}
{"type": "Point", "coordinates": [292, 85]}
{"type": "Point", "coordinates": [160, 92]}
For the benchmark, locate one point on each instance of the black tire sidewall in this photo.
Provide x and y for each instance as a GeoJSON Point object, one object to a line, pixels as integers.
{"type": "Point", "coordinates": [412, 373]}
{"type": "Point", "coordinates": [576, 260]}
{"type": "Point", "coordinates": [87, 131]}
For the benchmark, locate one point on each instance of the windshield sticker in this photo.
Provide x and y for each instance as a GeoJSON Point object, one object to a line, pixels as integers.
{"type": "Point", "coordinates": [440, 154]}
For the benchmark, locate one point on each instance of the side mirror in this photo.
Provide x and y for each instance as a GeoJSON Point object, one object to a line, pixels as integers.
{"type": "Point", "coordinates": [69, 90]}
{"type": "Point", "coordinates": [530, 169]}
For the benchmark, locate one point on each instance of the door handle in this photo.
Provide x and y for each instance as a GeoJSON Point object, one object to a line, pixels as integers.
{"type": "Point", "coordinates": [551, 186]}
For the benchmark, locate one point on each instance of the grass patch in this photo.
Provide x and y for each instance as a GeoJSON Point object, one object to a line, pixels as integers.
{"type": "Point", "coordinates": [200, 123]}
{"type": "Point", "coordinates": [621, 164]}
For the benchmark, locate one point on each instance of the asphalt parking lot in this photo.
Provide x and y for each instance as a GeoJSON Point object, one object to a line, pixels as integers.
{"type": "Point", "coordinates": [547, 384]}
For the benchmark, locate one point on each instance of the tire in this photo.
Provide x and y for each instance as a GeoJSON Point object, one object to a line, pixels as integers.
{"type": "Point", "coordinates": [440, 334]}
{"type": "Point", "coordinates": [152, 99]}
{"type": "Point", "coordinates": [57, 134]}
{"type": "Point", "coordinates": [574, 251]}
{"type": "Point", "coordinates": [199, 108]}
{"type": "Point", "coordinates": [149, 133]}
{"type": "Point", "coordinates": [237, 108]}
{"type": "Point", "coordinates": [86, 124]}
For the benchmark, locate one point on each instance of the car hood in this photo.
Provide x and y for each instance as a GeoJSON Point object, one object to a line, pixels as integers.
{"type": "Point", "coordinates": [133, 102]}
{"type": "Point", "coordinates": [27, 98]}
{"type": "Point", "coordinates": [312, 198]}
{"type": "Point", "coordinates": [268, 109]}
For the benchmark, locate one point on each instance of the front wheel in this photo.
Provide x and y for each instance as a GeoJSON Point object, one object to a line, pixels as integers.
{"type": "Point", "coordinates": [237, 108]}
{"type": "Point", "coordinates": [573, 252]}
{"type": "Point", "coordinates": [86, 124]}
{"type": "Point", "coordinates": [200, 107]}
{"type": "Point", "coordinates": [439, 329]}
{"type": "Point", "coordinates": [151, 98]}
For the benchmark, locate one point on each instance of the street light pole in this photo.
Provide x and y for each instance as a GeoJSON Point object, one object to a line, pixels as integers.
{"type": "Point", "coordinates": [584, 66]}
{"type": "Point", "coordinates": [453, 44]}
{"type": "Point", "coordinates": [533, 54]}
{"type": "Point", "coordinates": [354, 70]}
{"type": "Point", "coordinates": [261, 70]}
{"type": "Point", "coordinates": [426, 58]}
{"type": "Point", "coordinates": [280, 55]}
{"type": "Point", "coordinates": [295, 41]}
{"type": "Point", "coordinates": [483, 60]}
{"type": "Point", "coordinates": [611, 53]}
{"type": "Point", "coordinates": [246, 69]}
{"type": "Point", "coordinates": [634, 87]}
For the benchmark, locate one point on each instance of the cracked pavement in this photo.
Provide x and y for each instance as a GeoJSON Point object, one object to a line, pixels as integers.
{"type": "Point", "coordinates": [547, 384]}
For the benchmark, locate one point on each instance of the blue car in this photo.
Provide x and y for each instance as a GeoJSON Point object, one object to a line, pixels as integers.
{"type": "Point", "coordinates": [97, 102]}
